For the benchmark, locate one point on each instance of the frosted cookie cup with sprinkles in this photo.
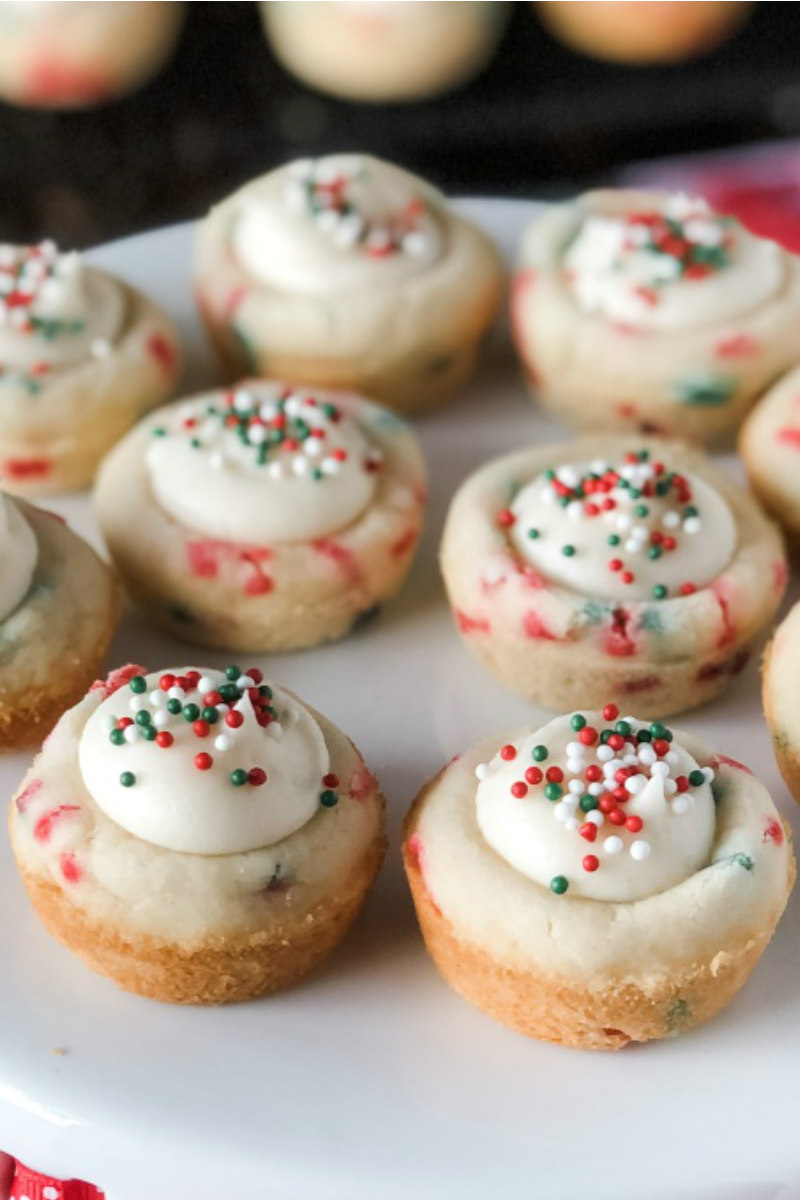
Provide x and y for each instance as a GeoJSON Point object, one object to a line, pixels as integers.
{"type": "Point", "coordinates": [597, 882]}
{"type": "Point", "coordinates": [769, 443]}
{"type": "Point", "coordinates": [82, 356]}
{"type": "Point", "coordinates": [199, 836]}
{"type": "Point", "coordinates": [781, 691]}
{"type": "Point", "coordinates": [347, 272]}
{"type": "Point", "coordinates": [639, 310]}
{"type": "Point", "coordinates": [59, 606]}
{"type": "Point", "coordinates": [270, 518]}
{"type": "Point", "coordinates": [611, 568]}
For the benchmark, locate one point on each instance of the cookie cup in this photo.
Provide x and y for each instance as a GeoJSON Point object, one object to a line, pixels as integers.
{"type": "Point", "coordinates": [52, 645]}
{"type": "Point", "coordinates": [696, 383]}
{"type": "Point", "coordinates": [284, 596]}
{"type": "Point", "coordinates": [408, 346]}
{"type": "Point", "coordinates": [769, 443]}
{"type": "Point", "coordinates": [588, 973]}
{"type": "Point", "coordinates": [563, 649]}
{"type": "Point", "coordinates": [54, 429]}
{"type": "Point", "coordinates": [188, 928]}
{"type": "Point", "coordinates": [779, 692]}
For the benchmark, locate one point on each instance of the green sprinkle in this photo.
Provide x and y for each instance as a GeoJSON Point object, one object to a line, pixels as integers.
{"type": "Point", "coordinates": [190, 712]}
{"type": "Point", "coordinates": [232, 673]}
{"type": "Point", "coordinates": [559, 884]}
{"type": "Point", "coordinates": [642, 510]}
{"type": "Point", "coordinates": [553, 791]}
{"type": "Point", "coordinates": [127, 779]}
{"type": "Point", "coordinates": [211, 715]}
{"type": "Point", "coordinates": [659, 592]}
{"type": "Point", "coordinates": [143, 717]}
{"type": "Point", "coordinates": [229, 691]}
{"type": "Point", "coordinates": [578, 722]}
{"type": "Point", "coordinates": [533, 533]}
{"type": "Point", "coordinates": [238, 777]}
{"type": "Point", "coordinates": [696, 778]}
{"type": "Point", "coordinates": [654, 552]}
{"type": "Point", "coordinates": [644, 735]}
{"type": "Point", "coordinates": [658, 730]}
{"type": "Point", "coordinates": [588, 803]}
{"type": "Point", "coordinates": [690, 511]}
{"type": "Point", "coordinates": [195, 443]}
{"type": "Point", "coordinates": [174, 706]}
{"type": "Point", "coordinates": [159, 432]}
{"type": "Point", "coordinates": [549, 474]}
{"type": "Point", "coordinates": [568, 551]}
{"type": "Point", "coordinates": [149, 733]}
{"type": "Point", "coordinates": [265, 690]}
{"type": "Point", "coordinates": [328, 799]}
{"type": "Point", "coordinates": [605, 734]}
{"type": "Point", "coordinates": [614, 539]}
{"type": "Point", "coordinates": [539, 753]}
{"type": "Point", "coordinates": [330, 410]}
{"type": "Point", "coordinates": [116, 737]}
{"type": "Point", "coordinates": [138, 684]}
{"type": "Point", "coordinates": [623, 728]}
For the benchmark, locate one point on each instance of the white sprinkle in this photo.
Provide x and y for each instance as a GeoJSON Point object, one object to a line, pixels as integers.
{"type": "Point", "coordinates": [242, 401]}
{"type": "Point", "coordinates": [604, 753]}
{"type": "Point", "coordinates": [670, 787]}
{"type": "Point", "coordinates": [275, 470]}
{"type": "Point", "coordinates": [624, 522]}
{"type": "Point", "coordinates": [205, 684]}
{"type": "Point", "coordinates": [576, 749]}
{"type": "Point", "coordinates": [481, 771]}
{"type": "Point", "coordinates": [671, 519]}
{"type": "Point", "coordinates": [161, 718]}
{"type": "Point", "coordinates": [110, 722]}
{"type": "Point", "coordinates": [245, 681]}
{"type": "Point", "coordinates": [612, 845]}
{"type": "Point", "coordinates": [630, 760]}
{"type": "Point", "coordinates": [635, 784]}
{"type": "Point", "coordinates": [223, 742]}
{"type": "Point", "coordinates": [576, 786]}
{"type": "Point", "coordinates": [415, 244]}
{"type": "Point", "coordinates": [682, 803]}
{"type": "Point", "coordinates": [572, 824]}
{"type": "Point", "coordinates": [328, 220]}
{"type": "Point", "coordinates": [330, 466]}
{"type": "Point", "coordinates": [300, 465]}
{"type": "Point", "coordinates": [632, 546]}
{"type": "Point", "coordinates": [660, 768]}
{"type": "Point", "coordinates": [222, 709]}
{"type": "Point", "coordinates": [708, 773]}
{"type": "Point", "coordinates": [691, 525]}
{"type": "Point", "coordinates": [137, 703]}
{"type": "Point", "coordinates": [575, 510]}
{"type": "Point", "coordinates": [216, 461]}
{"type": "Point", "coordinates": [563, 812]}
{"type": "Point", "coordinates": [100, 348]}
{"type": "Point", "coordinates": [131, 733]}
{"type": "Point", "coordinates": [672, 758]}
{"type": "Point", "coordinates": [575, 766]}
{"type": "Point", "coordinates": [596, 789]}
{"type": "Point", "coordinates": [598, 466]}
{"type": "Point", "coordinates": [639, 851]}
{"type": "Point", "coordinates": [646, 754]}
{"type": "Point", "coordinates": [157, 698]}
{"type": "Point", "coordinates": [595, 817]}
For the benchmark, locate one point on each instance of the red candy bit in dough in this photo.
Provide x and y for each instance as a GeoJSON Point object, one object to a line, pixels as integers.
{"type": "Point", "coordinates": [163, 351]}
{"type": "Point", "coordinates": [44, 826]}
{"type": "Point", "coordinates": [773, 831]}
{"type": "Point", "coordinates": [70, 868]}
{"type": "Point", "coordinates": [467, 624]}
{"type": "Point", "coordinates": [736, 345]}
{"type": "Point", "coordinates": [363, 784]}
{"type": "Point", "coordinates": [117, 679]}
{"type": "Point", "coordinates": [51, 81]}
{"type": "Point", "coordinates": [789, 437]}
{"type": "Point", "coordinates": [718, 760]}
{"type": "Point", "coordinates": [645, 683]}
{"type": "Point", "coordinates": [203, 558]}
{"type": "Point", "coordinates": [534, 627]}
{"type": "Point", "coordinates": [338, 554]}
{"type": "Point", "coordinates": [721, 591]}
{"type": "Point", "coordinates": [26, 796]}
{"type": "Point", "coordinates": [780, 574]}
{"type": "Point", "coordinates": [404, 543]}
{"type": "Point", "coordinates": [26, 468]}
{"type": "Point", "coordinates": [618, 640]}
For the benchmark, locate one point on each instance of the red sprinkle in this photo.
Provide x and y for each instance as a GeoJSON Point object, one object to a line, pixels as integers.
{"type": "Point", "coordinates": [588, 735]}
{"type": "Point", "coordinates": [616, 816]}
{"type": "Point", "coordinates": [519, 789]}
{"type": "Point", "coordinates": [591, 862]}
{"type": "Point", "coordinates": [554, 775]}
{"type": "Point", "coordinates": [234, 718]}
{"type": "Point", "coordinates": [588, 831]}
{"type": "Point", "coordinates": [201, 729]}
{"type": "Point", "coordinates": [256, 776]}
{"type": "Point", "coordinates": [164, 738]}
{"type": "Point", "coordinates": [330, 781]}
{"type": "Point", "coordinates": [508, 753]}
{"type": "Point", "coordinates": [505, 518]}
{"type": "Point", "coordinates": [634, 824]}
{"type": "Point", "coordinates": [610, 712]}
{"type": "Point", "coordinates": [593, 773]}
{"type": "Point", "coordinates": [533, 775]}
{"type": "Point", "coordinates": [203, 761]}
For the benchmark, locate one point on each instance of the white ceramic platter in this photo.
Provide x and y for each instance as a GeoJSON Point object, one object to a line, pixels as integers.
{"type": "Point", "coordinates": [373, 1080]}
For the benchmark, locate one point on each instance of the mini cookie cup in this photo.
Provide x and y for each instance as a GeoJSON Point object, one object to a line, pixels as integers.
{"type": "Point", "coordinates": [588, 973]}
{"type": "Point", "coordinates": [696, 383]}
{"type": "Point", "coordinates": [55, 429]}
{"type": "Point", "coordinates": [260, 598]}
{"type": "Point", "coordinates": [560, 648]}
{"type": "Point", "coordinates": [53, 643]}
{"type": "Point", "coordinates": [188, 928]}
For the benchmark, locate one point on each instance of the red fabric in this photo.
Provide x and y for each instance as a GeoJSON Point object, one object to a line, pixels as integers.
{"type": "Point", "coordinates": [30, 1185]}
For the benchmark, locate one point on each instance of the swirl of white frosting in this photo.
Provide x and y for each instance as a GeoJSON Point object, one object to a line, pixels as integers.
{"type": "Point", "coordinates": [338, 223]}
{"type": "Point", "coordinates": [631, 530]}
{"type": "Point", "coordinates": [574, 835]}
{"type": "Point", "coordinates": [263, 464]}
{"type": "Point", "coordinates": [166, 795]}
{"type": "Point", "coordinates": [18, 555]}
{"type": "Point", "coordinates": [54, 311]}
{"type": "Point", "coordinates": [672, 268]}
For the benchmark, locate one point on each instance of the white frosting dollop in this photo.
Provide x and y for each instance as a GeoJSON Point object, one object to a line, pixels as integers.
{"type": "Point", "coordinates": [630, 530]}
{"type": "Point", "coordinates": [338, 223]}
{"type": "Point", "coordinates": [672, 268]}
{"type": "Point", "coordinates": [54, 311]}
{"type": "Point", "coordinates": [18, 556]}
{"type": "Point", "coordinates": [571, 840]}
{"type": "Point", "coordinates": [164, 795]}
{"type": "Point", "coordinates": [262, 464]}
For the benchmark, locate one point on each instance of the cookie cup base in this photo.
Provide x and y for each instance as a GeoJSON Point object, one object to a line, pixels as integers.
{"type": "Point", "coordinates": [221, 969]}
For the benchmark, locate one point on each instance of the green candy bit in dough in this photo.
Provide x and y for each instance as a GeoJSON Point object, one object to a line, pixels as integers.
{"type": "Point", "coordinates": [705, 390]}
{"type": "Point", "coordinates": [677, 1016]}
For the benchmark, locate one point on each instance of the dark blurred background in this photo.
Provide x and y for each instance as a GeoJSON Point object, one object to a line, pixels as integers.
{"type": "Point", "coordinates": [540, 120]}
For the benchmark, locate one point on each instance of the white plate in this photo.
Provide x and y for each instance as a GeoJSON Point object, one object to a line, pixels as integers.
{"type": "Point", "coordinates": [373, 1080]}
